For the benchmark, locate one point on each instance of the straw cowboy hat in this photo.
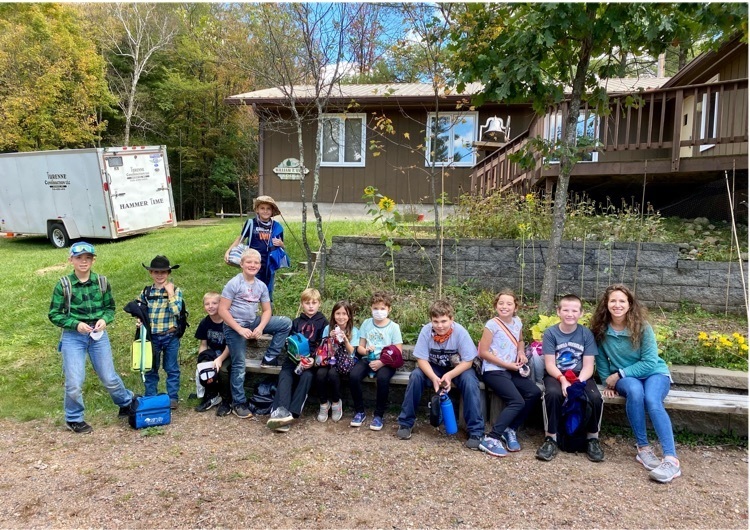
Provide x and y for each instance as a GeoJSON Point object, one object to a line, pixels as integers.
{"type": "Point", "coordinates": [160, 263]}
{"type": "Point", "coordinates": [265, 199]}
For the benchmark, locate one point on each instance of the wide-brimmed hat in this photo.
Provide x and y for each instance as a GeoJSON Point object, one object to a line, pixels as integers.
{"type": "Point", "coordinates": [160, 263]}
{"type": "Point", "coordinates": [265, 199]}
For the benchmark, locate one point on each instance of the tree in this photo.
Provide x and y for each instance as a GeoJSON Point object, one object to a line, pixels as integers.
{"type": "Point", "coordinates": [132, 33]}
{"type": "Point", "coordinates": [51, 80]}
{"type": "Point", "coordinates": [539, 51]}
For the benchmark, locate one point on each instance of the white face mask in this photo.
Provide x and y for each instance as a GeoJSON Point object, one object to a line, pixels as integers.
{"type": "Point", "coordinates": [379, 314]}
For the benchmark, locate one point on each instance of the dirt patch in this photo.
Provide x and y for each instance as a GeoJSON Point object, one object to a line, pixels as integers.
{"type": "Point", "coordinates": [204, 471]}
{"type": "Point", "coordinates": [52, 268]}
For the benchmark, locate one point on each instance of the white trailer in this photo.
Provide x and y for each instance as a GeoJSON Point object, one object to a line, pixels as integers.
{"type": "Point", "coordinates": [86, 193]}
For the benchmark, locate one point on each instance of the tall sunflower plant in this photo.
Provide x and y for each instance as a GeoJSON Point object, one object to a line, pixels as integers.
{"type": "Point", "coordinates": [384, 213]}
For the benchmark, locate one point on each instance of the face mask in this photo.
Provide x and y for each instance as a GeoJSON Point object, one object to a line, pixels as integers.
{"type": "Point", "coordinates": [379, 314]}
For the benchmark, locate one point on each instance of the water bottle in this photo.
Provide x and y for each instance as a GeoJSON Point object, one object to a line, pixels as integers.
{"type": "Point", "coordinates": [371, 357]}
{"type": "Point", "coordinates": [449, 417]}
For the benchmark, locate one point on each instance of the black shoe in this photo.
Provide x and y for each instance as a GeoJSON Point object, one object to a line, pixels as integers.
{"type": "Point", "coordinates": [208, 404]}
{"type": "Point", "coordinates": [79, 427]}
{"type": "Point", "coordinates": [173, 404]}
{"type": "Point", "coordinates": [548, 450]}
{"type": "Point", "coordinates": [242, 411]}
{"type": "Point", "coordinates": [269, 363]}
{"type": "Point", "coordinates": [224, 409]}
{"type": "Point", "coordinates": [124, 412]}
{"type": "Point", "coordinates": [594, 450]}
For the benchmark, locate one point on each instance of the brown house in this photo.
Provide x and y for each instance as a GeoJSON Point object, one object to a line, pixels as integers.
{"type": "Point", "coordinates": [681, 133]}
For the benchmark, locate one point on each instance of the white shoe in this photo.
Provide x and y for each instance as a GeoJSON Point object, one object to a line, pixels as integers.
{"type": "Point", "coordinates": [323, 412]}
{"type": "Point", "coordinates": [337, 410]}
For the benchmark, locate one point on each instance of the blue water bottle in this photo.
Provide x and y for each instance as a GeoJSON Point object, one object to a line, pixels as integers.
{"type": "Point", "coordinates": [449, 417]}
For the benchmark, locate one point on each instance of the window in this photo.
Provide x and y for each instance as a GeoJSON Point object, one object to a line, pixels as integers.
{"type": "Point", "coordinates": [707, 113]}
{"type": "Point", "coordinates": [553, 124]}
{"type": "Point", "coordinates": [455, 133]}
{"type": "Point", "coordinates": [343, 140]}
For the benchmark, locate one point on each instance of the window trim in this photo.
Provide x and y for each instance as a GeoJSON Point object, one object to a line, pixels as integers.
{"type": "Point", "coordinates": [342, 117]}
{"type": "Point", "coordinates": [470, 162]}
{"type": "Point", "coordinates": [705, 124]}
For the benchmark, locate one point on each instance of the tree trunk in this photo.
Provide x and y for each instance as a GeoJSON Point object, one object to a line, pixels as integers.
{"type": "Point", "coordinates": [318, 219]}
{"type": "Point", "coordinates": [549, 284]}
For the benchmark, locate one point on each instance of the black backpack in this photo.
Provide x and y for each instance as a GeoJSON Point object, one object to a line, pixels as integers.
{"type": "Point", "coordinates": [182, 318]}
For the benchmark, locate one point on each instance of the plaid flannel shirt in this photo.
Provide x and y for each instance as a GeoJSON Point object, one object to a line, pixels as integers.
{"type": "Point", "coordinates": [162, 310]}
{"type": "Point", "coordinates": [87, 303]}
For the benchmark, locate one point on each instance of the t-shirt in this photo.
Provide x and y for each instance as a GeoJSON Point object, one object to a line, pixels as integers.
{"type": "Point", "coordinates": [501, 344]}
{"type": "Point", "coordinates": [459, 343]}
{"type": "Point", "coordinates": [212, 332]}
{"type": "Point", "coordinates": [569, 348]}
{"type": "Point", "coordinates": [380, 337]}
{"type": "Point", "coordinates": [245, 297]}
{"type": "Point", "coordinates": [353, 340]}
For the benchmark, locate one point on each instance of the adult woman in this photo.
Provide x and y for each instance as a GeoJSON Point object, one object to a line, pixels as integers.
{"type": "Point", "coordinates": [629, 364]}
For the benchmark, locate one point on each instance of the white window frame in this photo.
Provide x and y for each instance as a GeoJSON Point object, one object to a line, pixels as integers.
{"type": "Point", "coordinates": [553, 125]}
{"type": "Point", "coordinates": [342, 117]}
{"type": "Point", "coordinates": [455, 116]}
{"type": "Point", "coordinates": [704, 117]}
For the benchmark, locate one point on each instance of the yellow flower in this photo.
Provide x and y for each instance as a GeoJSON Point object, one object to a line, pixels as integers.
{"type": "Point", "coordinates": [529, 198]}
{"type": "Point", "coordinates": [702, 336]}
{"type": "Point", "coordinates": [743, 347]}
{"type": "Point", "coordinates": [369, 190]}
{"type": "Point", "coordinates": [740, 340]}
{"type": "Point", "coordinates": [386, 204]}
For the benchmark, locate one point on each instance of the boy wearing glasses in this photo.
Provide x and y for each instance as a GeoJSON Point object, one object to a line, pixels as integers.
{"type": "Point", "coordinates": [82, 305]}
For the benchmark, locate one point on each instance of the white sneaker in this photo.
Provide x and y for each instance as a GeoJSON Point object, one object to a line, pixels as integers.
{"type": "Point", "coordinates": [337, 410]}
{"type": "Point", "coordinates": [647, 457]}
{"type": "Point", "coordinates": [667, 470]}
{"type": "Point", "coordinates": [323, 412]}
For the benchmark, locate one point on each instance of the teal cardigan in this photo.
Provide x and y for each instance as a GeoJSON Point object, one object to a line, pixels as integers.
{"type": "Point", "coordinates": [616, 352]}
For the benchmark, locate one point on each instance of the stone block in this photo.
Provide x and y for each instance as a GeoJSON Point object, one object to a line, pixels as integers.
{"type": "Point", "coordinates": [682, 374]}
{"type": "Point", "coordinates": [685, 277]}
{"type": "Point", "coordinates": [700, 422]}
{"type": "Point", "coordinates": [720, 377]}
{"type": "Point", "coordinates": [657, 259]}
{"type": "Point", "coordinates": [718, 278]}
{"type": "Point", "coordinates": [702, 295]}
{"type": "Point", "coordinates": [687, 264]}
{"type": "Point", "coordinates": [724, 390]}
{"type": "Point", "coordinates": [658, 293]}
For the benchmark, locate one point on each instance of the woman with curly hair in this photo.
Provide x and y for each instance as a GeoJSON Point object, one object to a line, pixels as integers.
{"type": "Point", "coordinates": [630, 366]}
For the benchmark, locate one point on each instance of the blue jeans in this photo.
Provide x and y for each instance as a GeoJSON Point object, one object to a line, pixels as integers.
{"type": "Point", "coordinates": [169, 345]}
{"type": "Point", "coordinates": [74, 346]}
{"type": "Point", "coordinates": [643, 395]}
{"type": "Point", "coordinates": [467, 383]}
{"type": "Point", "coordinates": [279, 327]}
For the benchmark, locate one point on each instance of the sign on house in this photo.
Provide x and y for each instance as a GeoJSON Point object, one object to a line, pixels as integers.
{"type": "Point", "coordinates": [289, 169]}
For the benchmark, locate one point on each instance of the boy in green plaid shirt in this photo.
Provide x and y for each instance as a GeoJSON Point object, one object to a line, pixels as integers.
{"type": "Point", "coordinates": [83, 313]}
{"type": "Point", "coordinates": [164, 305]}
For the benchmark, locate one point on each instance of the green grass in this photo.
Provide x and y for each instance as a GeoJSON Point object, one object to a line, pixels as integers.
{"type": "Point", "coordinates": [31, 385]}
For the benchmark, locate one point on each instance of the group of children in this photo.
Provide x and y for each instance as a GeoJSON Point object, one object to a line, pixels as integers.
{"type": "Point", "coordinates": [444, 352]}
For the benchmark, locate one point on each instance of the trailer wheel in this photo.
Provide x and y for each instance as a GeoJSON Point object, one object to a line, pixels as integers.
{"type": "Point", "coordinates": [58, 236]}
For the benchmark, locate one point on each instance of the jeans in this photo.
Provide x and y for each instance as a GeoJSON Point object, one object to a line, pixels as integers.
{"type": "Point", "coordinates": [466, 382]}
{"type": "Point", "coordinates": [287, 395]}
{"type": "Point", "coordinates": [74, 347]}
{"type": "Point", "coordinates": [519, 395]}
{"type": "Point", "coordinates": [553, 400]}
{"type": "Point", "coordinates": [642, 395]}
{"type": "Point", "coordinates": [383, 377]}
{"type": "Point", "coordinates": [167, 344]}
{"type": "Point", "coordinates": [278, 327]}
{"type": "Point", "coordinates": [328, 384]}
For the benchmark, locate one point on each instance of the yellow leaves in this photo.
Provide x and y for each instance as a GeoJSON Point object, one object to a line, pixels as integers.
{"type": "Point", "coordinates": [406, 135]}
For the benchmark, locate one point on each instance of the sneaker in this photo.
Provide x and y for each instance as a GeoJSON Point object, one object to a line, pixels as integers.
{"type": "Point", "coordinates": [473, 442]}
{"type": "Point", "coordinates": [173, 404]}
{"type": "Point", "coordinates": [376, 424]}
{"type": "Point", "coordinates": [79, 427]}
{"type": "Point", "coordinates": [279, 418]}
{"type": "Point", "coordinates": [124, 412]}
{"type": "Point", "coordinates": [269, 363]}
{"type": "Point", "coordinates": [647, 457]}
{"type": "Point", "coordinates": [224, 409]}
{"type": "Point", "coordinates": [337, 410]}
{"type": "Point", "coordinates": [209, 404]}
{"type": "Point", "coordinates": [492, 447]}
{"type": "Point", "coordinates": [548, 450]}
{"type": "Point", "coordinates": [358, 419]}
{"type": "Point", "coordinates": [283, 428]}
{"type": "Point", "coordinates": [666, 471]}
{"type": "Point", "coordinates": [404, 433]}
{"type": "Point", "coordinates": [594, 450]}
{"type": "Point", "coordinates": [323, 412]}
{"type": "Point", "coordinates": [241, 410]}
{"type": "Point", "coordinates": [511, 440]}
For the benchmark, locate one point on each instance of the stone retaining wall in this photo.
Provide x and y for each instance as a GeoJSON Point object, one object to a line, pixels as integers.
{"type": "Point", "coordinates": [659, 277]}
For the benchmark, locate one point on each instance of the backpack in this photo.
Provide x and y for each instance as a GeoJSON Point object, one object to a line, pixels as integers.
{"type": "Point", "coordinates": [67, 289]}
{"type": "Point", "coordinates": [182, 318]}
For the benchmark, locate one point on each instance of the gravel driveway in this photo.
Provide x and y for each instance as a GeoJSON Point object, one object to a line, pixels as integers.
{"type": "Point", "coordinates": [206, 472]}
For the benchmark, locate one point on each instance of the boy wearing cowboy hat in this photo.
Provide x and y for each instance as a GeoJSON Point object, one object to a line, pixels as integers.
{"type": "Point", "coordinates": [263, 234]}
{"type": "Point", "coordinates": [164, 302]}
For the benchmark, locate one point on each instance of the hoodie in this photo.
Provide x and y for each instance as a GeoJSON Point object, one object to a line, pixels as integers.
{"type": "Point", "coordinates": [311, 327]}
